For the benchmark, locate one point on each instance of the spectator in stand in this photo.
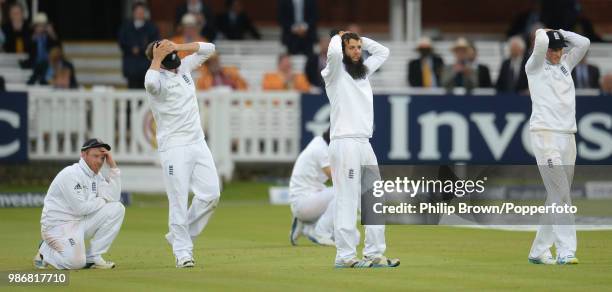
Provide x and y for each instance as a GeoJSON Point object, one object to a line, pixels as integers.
{"type": "Point", "coordinates": [190, 32]}
{"type": "Point", "coordinates": [460, 73]}
{"type": "Point", "coordinates": [134, 36]}
{"type": "Point", "coordinates": [203, 13]}
{"type": "Point", "coordinates": [427, 69]}
{"type": "Point", "coordinates": [285, 78]}
{"type": "Point", "coordinates": [512, 77]}
{"type": "Point", "coordinates": [213, 74]}
{"type": "Point", "coordinates": [16, 31]}
{"type": "Point", "coordinates": [234, 23]}
{"type": "Point", "coordinates": [43, 39]}
{"type": "Point", "coordinates": [298, 21]}
{"type": "Point", "coordinates": [483, 73]}
{"type": "Point", "coordinates": [315, 63]}
{"type": "Point", "coordinates": [606, 85]}
{"type": "Point", "coordinates": [585, 75]}
{"type": "Point", "coordinates": [55, 71]}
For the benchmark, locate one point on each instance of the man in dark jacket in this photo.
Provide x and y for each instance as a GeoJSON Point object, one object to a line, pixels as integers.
{"type": "Point", "coordinates": [586, 75]}
{"type": "Point", "coordinates": [298, 20]}
{"type": "Point", "coordinates": [512, 76]}
{"type": "Point", "coordinates": [235, 23]}
{"type": "Point", "coordinates": [134, 36]}
{"type": "Point", "coordinates": [427, 69]}
{"type": "Point", "coordinates": [16, 31]}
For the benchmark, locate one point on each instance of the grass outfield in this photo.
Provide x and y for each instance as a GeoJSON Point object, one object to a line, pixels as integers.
{"type": "Point", "coordinates": [245, 247]}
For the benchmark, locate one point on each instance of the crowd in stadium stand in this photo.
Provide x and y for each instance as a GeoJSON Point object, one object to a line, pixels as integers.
{"type": "Point", "coordinates": [39, 41]}
{"type": "Point", "coordinates": [297, 19]}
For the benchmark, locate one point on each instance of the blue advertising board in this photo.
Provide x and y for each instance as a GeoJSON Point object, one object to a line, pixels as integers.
{"type": "Point", "coordinates": [418, 129]}
{"type": "Point", "coordinates": [13, 126]}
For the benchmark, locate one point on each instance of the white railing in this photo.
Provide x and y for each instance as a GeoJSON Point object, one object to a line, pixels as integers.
{"type": "Point", "coordinates": [240, 127]}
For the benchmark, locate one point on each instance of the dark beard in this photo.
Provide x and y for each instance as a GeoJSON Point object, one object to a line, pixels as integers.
{"type": "Point", "coordinates": [357, 70]}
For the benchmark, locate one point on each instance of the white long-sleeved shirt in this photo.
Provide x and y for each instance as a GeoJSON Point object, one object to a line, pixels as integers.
{"type": "Point", "coordinates": [77, 191]}
{"type": "Point", "coordinates": [352, 109]}
{"type": "Point", "coordinates": [308, 176]}
{"type": "Point", "coordinates": [173, 101]}
{"type": "Point", "coordinates": [552, 90]}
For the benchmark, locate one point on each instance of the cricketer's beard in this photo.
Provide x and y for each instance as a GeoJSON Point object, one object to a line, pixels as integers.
{"type": "Point", "coordinates": [357, 70]}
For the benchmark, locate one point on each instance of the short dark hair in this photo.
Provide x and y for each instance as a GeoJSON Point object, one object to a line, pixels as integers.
{"type": "Point", "coordinates": [349, 36]}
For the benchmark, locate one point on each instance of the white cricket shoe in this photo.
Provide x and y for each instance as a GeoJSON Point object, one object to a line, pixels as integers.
{"type": "Point", "coordinates": [567, 260]}
{"type": "Point", "coordinates": [186, 262]}
{"type": "Point", "coordinates": [383, 262]}
{"type": "Point", "coordinates": [542, 260]}
{"type": "Point", "coordinates": [99, 263]}
{"type": "Point", "coordinates": [39, 262]}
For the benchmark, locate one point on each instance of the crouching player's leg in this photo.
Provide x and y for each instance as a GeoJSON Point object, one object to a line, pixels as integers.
{"type": "Point", "coordinates": [63, 246]}
{"type": "Point", "coordinates": [313, 216]}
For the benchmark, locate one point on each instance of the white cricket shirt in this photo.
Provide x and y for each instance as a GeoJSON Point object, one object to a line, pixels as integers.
{"type": "Point", "coordinates": [173, 101]}
{"type": "Point", "coordinates": [553, 95]}
{"type": "Point", "coordinates": [308, 176]}
{"type": "Point", "coordinates": [352, 109]}
{"type": "Point", "coordinates": [76, 192]}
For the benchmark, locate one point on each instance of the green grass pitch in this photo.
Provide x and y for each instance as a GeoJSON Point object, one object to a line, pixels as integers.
{"type": "Point", "coordinates": [245, 248]}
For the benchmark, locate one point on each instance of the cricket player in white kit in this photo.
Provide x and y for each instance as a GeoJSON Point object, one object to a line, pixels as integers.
{"type": "Point", "coordinates": [185, 158]}
{"type": "Point", "coordinates": [552, 125]}
{"type": "Point", "coordinates": [310, 199]}
{"type": "Point", "coordinates": [352, 118]}
{"type": "Point", "coordinates": [81, 204]}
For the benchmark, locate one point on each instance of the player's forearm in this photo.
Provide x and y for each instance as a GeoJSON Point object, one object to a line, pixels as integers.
{"type": "Point", "coordinates": [575, 39]}
{"type": "Point", "coordinates": [188, 47]}
{"type": "Point", "coordinates": [335, 47]}
{"type": "Point", "coordinates": [375, 48]}
{"type": "Point", "coordinates": [111, 190]}
{"type": "Point", "coordinates": [536, 60]}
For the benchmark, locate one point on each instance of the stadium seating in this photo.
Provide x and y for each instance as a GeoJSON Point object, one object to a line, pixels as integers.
{"type": "Point", "coordinates": [99, 63]}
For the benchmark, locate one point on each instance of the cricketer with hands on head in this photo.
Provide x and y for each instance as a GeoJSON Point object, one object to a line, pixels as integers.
{"type": "Point", "coordinates": [352, 119]}
{"type": "Point", "coordinates": [553, 126]}
{"type": "Point", "coordinates": [185, 158]}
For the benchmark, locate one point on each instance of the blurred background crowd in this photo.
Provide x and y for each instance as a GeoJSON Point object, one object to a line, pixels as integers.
{"type": "Point", "coordinates": [282, 44]}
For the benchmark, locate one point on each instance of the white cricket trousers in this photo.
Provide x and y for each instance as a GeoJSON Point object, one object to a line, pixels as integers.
{"type": "Point", "coordinates": [346, 156]}
{"type": "Point", "coordinates": [189, 167]}
{"type": "Point", "coordinates": [63, 245]}
{"type": "Point", "coordinates": [316, 210]}
{"type": "Point", "coordinates": [556, 157]}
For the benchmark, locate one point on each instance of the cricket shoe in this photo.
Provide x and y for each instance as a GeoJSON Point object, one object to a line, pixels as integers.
{"type": "Point", "coordinates": [186, 262]}
{"type": "Point", "coordinates": [354, 264]}
{"type": "Point", "coordinates": [99, 263]}
{"type": "Point", "coordinates": [542, 260]}
{"type": "Point", "coordinates": [383, 262]}
{"type": "Point", "coordinates": [297, 228]}
{"type": "Point", "coordinates": [567, 260]}
{"type": "Point", "coordinates": [322, 241]}
{"type": "Point", "coordinates": [39, 262]}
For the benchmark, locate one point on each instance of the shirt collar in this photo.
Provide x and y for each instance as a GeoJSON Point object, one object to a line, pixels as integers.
{"type": "Point", "coordinates": [86, 168]}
